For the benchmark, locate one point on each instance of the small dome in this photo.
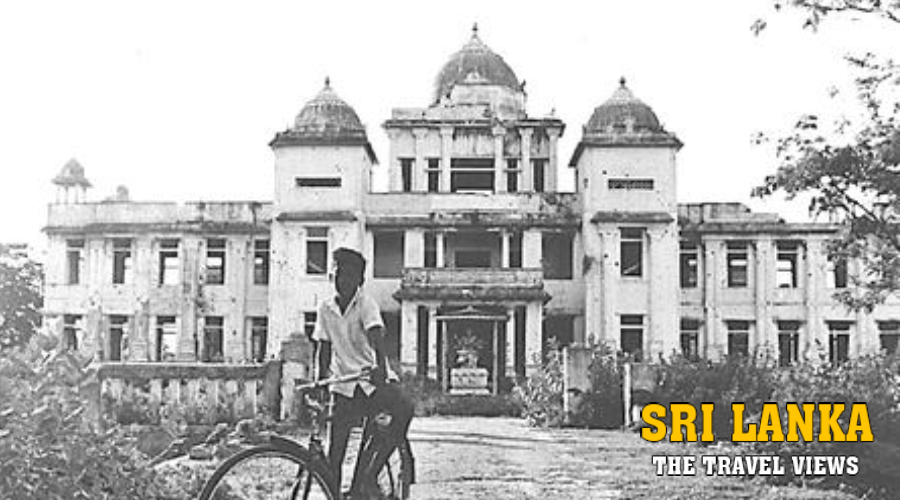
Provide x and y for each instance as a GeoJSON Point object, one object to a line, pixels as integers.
{"type": "Point", "coordinates": [72, 174]}
{"type": "Point", "coordinates": [474, 63]}
{"type": "Point", "coordinates": [328, 116]}
{"type": "Point", "coordinates": [623, 113]}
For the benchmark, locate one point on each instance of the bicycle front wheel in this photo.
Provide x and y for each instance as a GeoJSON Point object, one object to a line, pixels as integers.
{"type": "Point", "coordinates": [269, 472]}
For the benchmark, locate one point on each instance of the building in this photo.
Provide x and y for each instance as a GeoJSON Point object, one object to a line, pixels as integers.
{"type": "Point", "coordinates": [476, 258]}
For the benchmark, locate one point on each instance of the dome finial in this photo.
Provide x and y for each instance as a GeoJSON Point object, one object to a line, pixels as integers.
{"type": "Point", "coordinates": [327, 82]}
{"type": "Point", "coordinates": [622, 82]}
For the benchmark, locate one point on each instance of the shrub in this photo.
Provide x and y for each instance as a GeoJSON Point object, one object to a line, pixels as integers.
{"type": "Point", "coordinates": [429, 399]}
{"type": "Point", "coordinates": [542, 394]}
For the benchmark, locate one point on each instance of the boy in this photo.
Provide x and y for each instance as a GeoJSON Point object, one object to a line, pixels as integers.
{"type": "Point", "coordinates": [349, 337]}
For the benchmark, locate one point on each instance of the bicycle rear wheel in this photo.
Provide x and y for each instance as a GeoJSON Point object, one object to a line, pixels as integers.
{"type": "Point", "coordinates": [398, 473]}
{"type": "Point", "coordinates": [270, 472]}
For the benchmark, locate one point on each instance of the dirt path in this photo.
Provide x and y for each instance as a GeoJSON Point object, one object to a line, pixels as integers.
{"type": "Point", "coordinates": [503, 459]}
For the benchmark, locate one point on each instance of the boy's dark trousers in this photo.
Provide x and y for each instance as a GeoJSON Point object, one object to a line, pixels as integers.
{"type": "Point", "coordinates": [348, 412]}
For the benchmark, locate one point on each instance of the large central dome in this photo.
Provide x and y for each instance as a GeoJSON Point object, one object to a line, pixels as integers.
{"type": "Point", "coordinates": [474, 62]}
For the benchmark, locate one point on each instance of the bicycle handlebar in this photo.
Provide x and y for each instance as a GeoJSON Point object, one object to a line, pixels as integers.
{"type": "Point", "coordinates": [352, 377]}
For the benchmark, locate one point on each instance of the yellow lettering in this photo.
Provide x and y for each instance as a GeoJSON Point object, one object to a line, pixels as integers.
{"type": "Point", "coordinates": [770, 421]}
{"type": "Point", "coordinates": [707, 409]}
{"type": "Point", "coordinates": [739, 435]}
{"type": "Point", "coordinates": [859, 422]}
{"type": "Point", "coordinates": [828, 422]}
{"type": "Point", "coordinates": [798, 422]}
{"type": "Point", "coordinates": [648, 414]}
{"type": "Point", "coordinates": [683, 415]}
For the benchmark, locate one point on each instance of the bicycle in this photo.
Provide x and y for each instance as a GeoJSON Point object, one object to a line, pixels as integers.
{"type": "Point", "coordinates": [279, 467]}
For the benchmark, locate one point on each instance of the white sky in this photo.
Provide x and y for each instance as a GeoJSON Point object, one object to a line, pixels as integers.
{"type": "Point", "coordinates": [178, 100]}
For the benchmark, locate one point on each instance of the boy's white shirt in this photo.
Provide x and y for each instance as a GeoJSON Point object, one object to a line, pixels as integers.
{"type": "Point", "coordinates": [351, 351]}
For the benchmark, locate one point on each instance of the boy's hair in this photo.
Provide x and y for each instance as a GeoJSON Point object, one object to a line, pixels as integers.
{"type": "Point", "coordinates": [349, 258]}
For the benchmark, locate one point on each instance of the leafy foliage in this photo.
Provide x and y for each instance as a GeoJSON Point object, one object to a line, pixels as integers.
{"type": "Point", "coordinates": [20, 298]}
{"type": "Point", "coordinates": [542, 394]}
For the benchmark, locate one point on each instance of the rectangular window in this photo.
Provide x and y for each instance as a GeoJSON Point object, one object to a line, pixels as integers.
{"type": "Point", "coordinates": [169, 273]}
{"type": "Point", "coordinates": [556, 254]}
{"type": "Point", "coordinates": [787, 266]}
{"type": "Point", "coordinates": [838, 342]}
{"type": "Point", "coordinates": [737, 260]}
{"type": "Point", "coordinates": [166, 338]}
{"type": "Point", "coordinates": [738, 338]}
{"type": "Point", "coordinates": [837, 272]}
{"type": "Point", "coordinates": [309, 323]}
{"type": "Point", "coordinates": [690, 264]}
{"type": "Point", "coordinates": [122, 262]}
{"type": "Point", "coordinates": [630, 184]}
{"type": "Point", "coordinates": [434, 175]}
{"type": "Point", "coordinates": [72, 332]}
{"type": "Point", "coordinates": [261, 262]}
{"type": "Point", "coordinates": [259, 335]}
{"type": "Point", "coordinates": [213, 339]}
{"type": "Point", "coordinates": [389, 253]}
{"type": "Point", "coordinates": [889, 332]}
{"type": "Point", "coordinates": [558, 330]}
{"type": "Point", "coordinates": [472, 259]}
{"type": "Point", "coordinates": [539, 169]}
{"type": "Point", "coordinates": [317, 250]}
{"type": "Point", "coordinates": [430, 250]}
{"type": "Point", "coordinates": [515, 250]}
{"type": "Point", "coordinates": [631, 248]}
{"type": "Point", "coordinates": [690, 335]}
{"type": "Point", "coordinates": [74, 254]}
{"type": "Point", "coordinates": [512, 176]}
{"type": "Point", "coordinates": [788, 342]}
{"type": "Point", "coordinates": [632, 335]}
{"type": "Point", "coordinates": [406, 173]}
{"type": "Point", "coordinates": [215, 261]}
{"type": "Point", "coordinates": [118, 339]}
{"type": "Point", "coordinates": [472, 175]}
{"type": "Point", "coordinates": [318, 182]}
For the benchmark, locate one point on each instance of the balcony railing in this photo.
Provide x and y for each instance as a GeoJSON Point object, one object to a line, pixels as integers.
{"type": "Point", "coordinates": [472, 283]}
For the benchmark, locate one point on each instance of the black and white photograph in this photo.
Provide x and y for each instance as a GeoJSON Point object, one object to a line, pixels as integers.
{"type": "Point", "coordinates": [405, 250]}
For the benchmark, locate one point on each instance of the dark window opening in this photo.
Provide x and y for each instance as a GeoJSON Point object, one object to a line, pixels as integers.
{"type": "Point", "coordinates": [889, 333]}
{"type": "Point", "coordinates": [515, 250]}
{"type": "Point", "coordinates": [788, 342]}
{"type": "Point", "coordinates": [472, 175]}
{"type": "Point", "coordinates": [632, 252]}
{"type": "Point", "coordinates": [556, 255]}
{"type": "Point", "coordinates": [406, 173]}
{"type": "Point", "coordinates": [632, 336]}
{"type": "Point", "coordinates": [118, 341]}
{"type": "Point", "coordinates": [72, 331]}
{"type": "Point", "coordinates": [838, 272]}
{"type": "Point", "coordinates": [540, 171]}
{"type": "Point", "coordinates": [430, 250]}
{"type": "Point", "coordinates": [309, 324]}
{"type": "Point", "coordinates": [787, 265]}
{"type": "Point", "coordinates": [434, 175]}
{"type": "Point", "coordinates": [738, 338]}
{"type": "Point", "coordinates": [738, 264]}
{"type": "Point", "coordinates": [74, 251]}
{"type": "Point", "coordinates": [389, 252]}
{"type": "Point", "coordinates": [558, 330]}
{"type": "Point", "coordinates": [690, 264]}
{"type": "Point", "coordinates": [259, 335]}
{"type": "Point", "coordinates": [512, 176]}
{"type": "Point", "coordinates": [215, 261]}
{"type": "Point", "coordinates": [261, 262]}
{"type": "Point", "coordinates": [473, 258]}
{"type": "Point", "coordinates": [317, 250]}
{"type": "Point", "coordinates": [630, 184]}
{"type": "Point", "coordinates": [166, 338]}
{"type": "Point", "coordinates": [690, 339]}
{"type": "Point", "coordinates": [318, 182]}
{"type": "Point", "coordinates": [213, 338]}
{"type": "Point", "coordinates": [122, 271]}
{"type": "Point", "coordinates": [838, 342]}
{"type": "Point", "coordinates": [168, 262]}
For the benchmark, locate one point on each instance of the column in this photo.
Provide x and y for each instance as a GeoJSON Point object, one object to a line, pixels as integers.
{"type": "Point", "coordinates": [763, 341]}
{"type": "Point", "coordinates": [409, 337]}
{"type": "Point", "coordinates": [190, 327]}
{"type": "Point", "coordinates": [511, 340]}
{"type": "Point", "coordinates": [446, 146]}
{"type": "Point", "coordinates": [439, 248]}
{"type": "Point", "coordinates": [419, 179]}
{"type": "Point", "coordinates": [140, 335]}
{"type": "Point", "coordinates": [499, 181]}
{"type": "Point", "coordinates": [532, 249]}
{"type": "Point", "coordinates": [504, 249]}
{"type": "Point", "coordinates": [533, 316]}
{"type": "Point", "coordinates": [432, 341]}
{"type": "Point", "coordinates": [552, 173]}
{"type": "Point", "coordinates": [527, 183]}
{"type": "Point", "coordinates": [713, 346]}
{"type": "Point", "coordinates": [593, 281]}
{"type": "Point", "coordinates": [395, 181]}
{"type": "Point", "coordinates": [414, 248]}
{"type": "Point", "coordinates": [815, 283]}
{"type": "Point", "coordinates": [664, 299]}
{"type": "Point", "coordinates": [609, 326]}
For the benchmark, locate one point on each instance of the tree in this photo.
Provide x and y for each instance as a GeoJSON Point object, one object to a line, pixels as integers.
{"type": "Point", "coordinates": [21, 297]}
{"type": "Point", "coordinates": [850, 168]}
